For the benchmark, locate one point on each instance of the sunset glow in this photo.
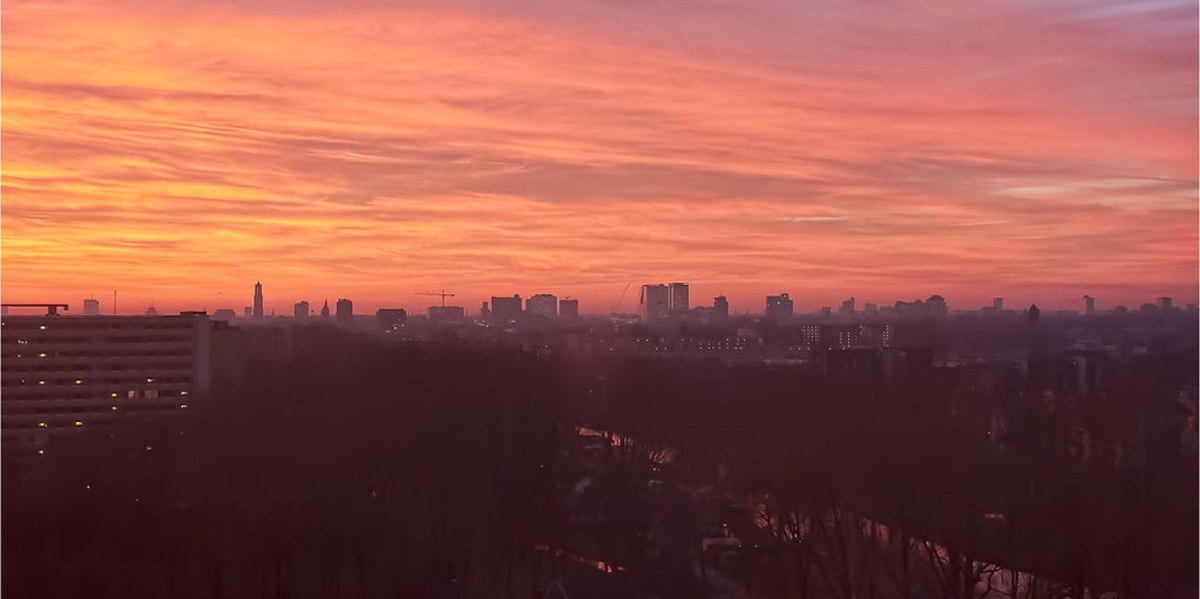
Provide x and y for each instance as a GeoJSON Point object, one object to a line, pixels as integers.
{"type": "Point", "coordinates": [180, 151]}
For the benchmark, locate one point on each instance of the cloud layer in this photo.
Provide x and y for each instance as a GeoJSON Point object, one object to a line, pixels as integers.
{"type": "Point", "coordinates": [886, 149]}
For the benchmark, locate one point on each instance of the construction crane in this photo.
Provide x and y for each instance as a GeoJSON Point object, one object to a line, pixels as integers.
{"type": "Point", "coordinates": [441, 294]}
{"type": "Point", "coordinates": [617, 306]}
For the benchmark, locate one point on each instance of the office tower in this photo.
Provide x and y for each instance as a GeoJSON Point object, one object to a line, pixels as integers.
{"type": "Point", "coordinates": [325, 310]}
{"type": "Point", "coordinates": [446, 314]}
{"type": "Point", "coordinates": [506, 308]}
{"type": "Point", "coordinates": [91, 307]}
{"type": "Point", "coordinates": [568, 308]}
{"type": "Point", "coordinates": [300, 310]}
{"type": "Point", "coordinates": [655, 302]}
{"type": "Point", "coordinates": [847, 307]}
{"type": "Point", "coordinates": [390, 319]}
{"type": "Point", "coordinates": [1089, 305]}
{"type": "Point", "coordinates": [871, 308]}
{"type": "Point", "coordinates": [258, 300]}
{"type": "Point", "coordinates": [779, 307]}
{"type": "Point", "coordinates": [678, 298]}
{"type": "Point", "coordinates": [542, 304]}
{"type": "Point", "coordinates": [73, 374]}
{"type": "Point", "coordinates": [345, 311]}
{"type": "Point", "coordinates": [720, 307]}
{"type": "Point", "coordinates": [1164, 303]}
{"type": "Point", "coordinates": [998, 304]}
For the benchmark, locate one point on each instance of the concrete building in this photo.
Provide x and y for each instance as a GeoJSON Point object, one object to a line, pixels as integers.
{"type": "Point", "coordinates": [655, 302]}
{"type": "Point", "coordinates": [506, 308]}
{"type": "Point", "coordinates": [678, 298]}
{"type": "Point", "coordinates": [91, 307]}
{"type": "Point", "coordinates": [225, 314]}
{"type": "Point", "coordinates": [847, 307]}
{"type": "Point", "coordinates": [568, 308]}
{"type": "Point", "coordinates": [1163, 303]}
{"type": "Point", "coordinates": [779, 307]}
{"type": "Point", "coordinates": [300, 310]}
{"type": "Point", "coordinates": [390, 319]}
{"type": "Point", "coordinates": [720, 307]}
{"type": "Point", "coordinates": [345, 311]}
{"type": "Point", "coordinates": [65, 374]}
{"type": "Point", "coordinates": [446, 314]}
{"type": "Point", "coordinates": [998, 304]}
{"type": "Point", "coordinates": [542, 304]}
{"type": "Point", "coordinates": [1089, 305]}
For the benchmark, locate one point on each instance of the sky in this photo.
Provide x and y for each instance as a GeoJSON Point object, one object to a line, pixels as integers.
{"type": "Point", "coordinates": [888, 150]}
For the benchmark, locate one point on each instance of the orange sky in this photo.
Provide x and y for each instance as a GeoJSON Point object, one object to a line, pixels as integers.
{"type": "Point", "coordinates": [888, 149]}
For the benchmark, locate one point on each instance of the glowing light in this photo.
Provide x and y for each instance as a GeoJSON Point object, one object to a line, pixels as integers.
{"type": "Point", "coordinates": [78, 423]}
{"type": "Point", "coordinates": [42, 425]}
{"type": "Point", "coordinates": [78, 381]}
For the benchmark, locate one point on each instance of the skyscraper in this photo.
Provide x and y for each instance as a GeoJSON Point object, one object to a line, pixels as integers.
{"type": "Point", "coordinates": [1089, 305]}
{"type": "Point", "coordinates": [847, 307]}
{"type": "Point", "coordinates": [998, 304]}
{"type": "Point", "coordinates": [678, 298]}
{"type": "Point", "coordinates": [779, 307]}
{"type": "Point", "coordinates": [721, 307]}
{"type": "Point", "coordinates": [258, 300]}
{"type": "Point", "coordinates": [542, 304]}
{"type": "Point", "coordinates": [568, 308]}
{"type": "Point", "coordinates": [655, 302]}
{"type": "Point", "coordinates": [300, 310]}
{"type": "Point", "coordinates": [91, 307]}
{"type": "Point", "coordinates": [345, 311]}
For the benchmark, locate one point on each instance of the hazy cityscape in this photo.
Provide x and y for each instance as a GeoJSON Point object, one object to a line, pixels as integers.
{"type": "Point", "coordinates": [596, 299]}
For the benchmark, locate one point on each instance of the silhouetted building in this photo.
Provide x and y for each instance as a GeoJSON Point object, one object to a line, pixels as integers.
{"type": "Point", "coordinates": [446, 314]}
{"type": "Point", "coordinates": [655, 302]}
{"type": "Point", "coordinates": [720, 307]}
{"type": "Point", "coordinates": [91, 307]}
{"type": "Point", "coordinates": [1089, 305]}
{"type": "Point", "coordinates": [542, 304]}
{"type": "Point", "coordinates": [300, 310]}
{"type": "Point", "coordinates": [998, 304]}
{"type": "Point", "coordinates": [569, 308]}
{"type": "Point", "coordinates": [247, 311]}
{"type": "Point", "coordinates": [847, 307]}
{"type": "Point", "coordinates": [505, 309]}
{"type": "Point", "coordinates": [485, 313]}
{"type": "Point", "coordinates": [826, 311]}
{"type": "Point", "coordinates": [936, 305]}
{"type": "Point", "coordinates": [224, 314]}
{"type": "Point", "coordinates": [71, 374]}
{"type": "Point", "coordinates": [1034, 315]}
{"type": "Point", "coordinates": [390, 319]}
{"type": "Point", "coordinates": [870, 308]}
{"type": "Point", "coordinates": [1164, 303]}
{"type": "Point", "coordinates": [779, 307]}
{"type": "Point", "coordinates": [345, 311]}
{"type": "Point", "coordinates": [325, 310]}
{"type": "Point", "coordinates": [258, 300]}
{"type": "Point", "coordinates": [678, 298]}
{"type": "Point", "coordinates": [151, 311]}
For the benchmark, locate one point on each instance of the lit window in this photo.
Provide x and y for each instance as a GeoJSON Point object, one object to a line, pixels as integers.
{"type": "Point", "coordinates": [43, 327]}
{"type": "Point", "coordinates": [183, 393]}
{"type": "Point", "coordinates": [78, 423]}
{"type": "Point", "coordinates": [114, 408]}
{"type": "Point", "coordinates": [131, 394]}
{"type": "Point", "coordinates": [42, 355]}
{"type": "Point", "coordinates": [149, 448]}
{"type": "Point", "coordinates": [41, 382]}
{"type": "Point", "coordinates": [42, 425]}
{"type": "Point", "coordinates": [78, 381]}
{"type": "Point", "coordinates": [41, 452]}
{"type": "Point", "coordinates": [151, 393]}
{"type": "Point", "coordinates": [113, 394]}
{"type": "Point", "coordinates": [149, 380]}
{"type": "Point", "coordinates": [182, 406]}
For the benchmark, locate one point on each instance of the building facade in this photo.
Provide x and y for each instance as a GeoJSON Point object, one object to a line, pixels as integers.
{"type": "Point", "coordinates": [542, 304]}
{"type": "Point", "coordinates": [678, 298]}
{"type": "Point", "coordinates": [63, 374]}
{"type": "Point", "coordinates": [506, 308]}
{"type": "Point", "coordinates": [655, 302]}
{"type": "Point", "coordinates": [258, 300]}
{"type": "Point", "coordinates": [569, 308]}
{"type": "Point", "coordinates": [300, 310]}
{"type": "Point", "coordinates": [345, 311]}
{"type": "Point", "coordinates": [779, 307]}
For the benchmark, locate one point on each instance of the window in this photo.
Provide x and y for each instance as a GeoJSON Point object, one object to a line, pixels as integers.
{"type": "Point", "coordinates": [151, 393]}
{"type": "Point", "coordinates": [132, 395]}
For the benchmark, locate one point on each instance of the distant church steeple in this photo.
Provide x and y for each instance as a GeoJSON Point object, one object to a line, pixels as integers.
{"type": "Point", "coordinates": [325, 310]}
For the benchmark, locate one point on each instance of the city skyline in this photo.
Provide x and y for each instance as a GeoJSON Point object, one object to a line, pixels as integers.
{"type": "Point", "coordinates": [1041, 151]}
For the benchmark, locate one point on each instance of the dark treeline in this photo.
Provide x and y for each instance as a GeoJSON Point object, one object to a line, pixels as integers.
{"type": "Point", "coordinates": [350, 468]}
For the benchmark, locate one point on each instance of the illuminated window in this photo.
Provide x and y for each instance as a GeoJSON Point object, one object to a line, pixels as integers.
{"type": "Point", "coordinates": [183, 393]}
{"type": "Point", "coordinates": [41, 382]}
{"type": "Point", "coordinates": [78, 381]}
{"type": "Point", "coordinates": [113, 394]}
{"type": "Point", "coordinates": [131, 394]}
{"type": "Point", "coordinates": [41, 452]}
{"type": "Point", "coordinates": [78, 423]}
{"type": "Point", "coordinates": [151, 393]}
{"type": "Point", "coordinates": [43, 327]}
{"type": "Point", "coordinates": [114, 408]}
{"type": "Point", "coordinates": [42, 425]}
{"type": "Point", "coordinates": [42, 355]}
{"type": "Point", "coordinates": [182, 406]}
{"type": "Point", "coordinates": [149, 380]}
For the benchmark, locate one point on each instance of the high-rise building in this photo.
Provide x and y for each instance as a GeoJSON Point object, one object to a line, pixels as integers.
{"type": "Point", "coordinates": [847, 307]}
{"type": "Point", "coordinates": [446, 314]}
{"type": "Point", "coordinates": [1164, 303]}
{"type": "Point", "coordinates": [1089, 305]}
{"type": "Point", "coordinates": [720, 307]}
{"type": "Point", "coordinates": [325, 310]}
{"type": "Point", "coordinates": [247, 311]}
{"type": "Point", "coordinates": [998, 304]}
{"type": "Point", "coordinates": [225, 314]}
{"type": "Point", "coordinates": [568, 308]}
{"type": "Point", "coordinates": [655, 302]}
{"type": "Point", "coordinates": [779, 307]}
{"type": "Point", "coordinates": [258, 300]}
{"type": "Point", "coordinates": [390, 319]}
{"type": "Point", "coordinates": [61, 375]}
{"type": "Point", "coordinates": [542, 304]}
{"type": "Point", "coordinates": [300, 310]}
{"type": "Point", "coordinates": [936, 305]}
{"type": "Point", "coordinates": [506, 308]}
{"type": "Point", "coordinates": [91, 307]}
{"type": "Point", "coordinates": [678, 298]}
{"type": "Point", "coordinates": [870, 308]}
{"type": "Point", "coordinates": [345, 311]}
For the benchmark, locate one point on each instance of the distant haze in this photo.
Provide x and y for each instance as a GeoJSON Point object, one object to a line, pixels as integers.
{"type": "Point", "coordinates": [179, 151]}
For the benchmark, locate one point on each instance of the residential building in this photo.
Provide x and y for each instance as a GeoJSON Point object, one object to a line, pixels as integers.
{"type": "Point", "coordinates": [506, 308]}
{"type": "Point", "coordinates": [568, 308]}
{"type": "Point", "coordinates": [779, 307]}
{"type": "Point", "coordinates": [542, 304]}
{"type": "Point", "coordinates": [677, 298]}
{"type": "Point", "coordinates": [390, 319]}
{"type": "Point", "coordinates": [345, 311]}
{"type": "Point", "coordinates": [300, 310]}
{"type": "Point", "coordinates": [720, 307]}
{"type": "Point", "coordinates": [91, 307]}
{"type": "Point", "coordinates": [655, 302]}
